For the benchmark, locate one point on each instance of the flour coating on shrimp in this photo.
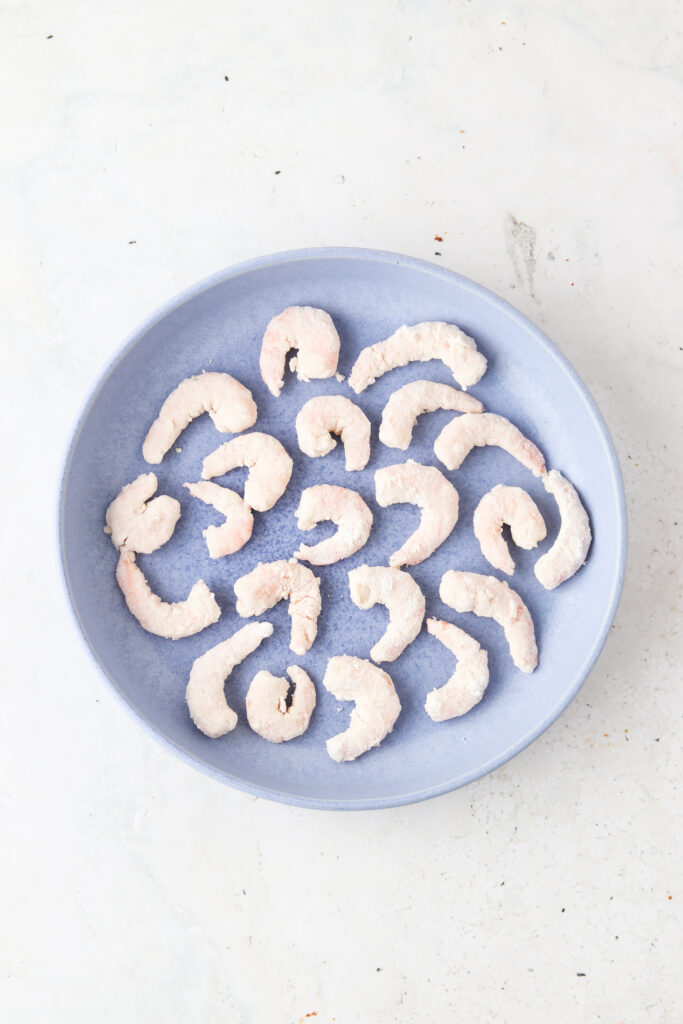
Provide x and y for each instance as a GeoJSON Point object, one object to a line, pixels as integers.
{"type": "Point", "coordinates": [341, 506]}
{"type": "Point", "coordinates": [205, 692]}
{"type": "Point", "coordinates": [420, 343]}
{"type": "Point", "coordinates": [228, 403]}
{"type": "Point", "coordinates": [138, 524]}
{"type": "Point", "coordinates": [310, 331]}
{"type": "Point", "coordinates": [376, 705]}
{"type": "Point", "coordinates": [425, 486]}
{"type": "Point", "coordinates": [403, 599]}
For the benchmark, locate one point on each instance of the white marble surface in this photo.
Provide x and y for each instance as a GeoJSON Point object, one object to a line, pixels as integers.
{"type": "Point", "coordinates": [543, 142]}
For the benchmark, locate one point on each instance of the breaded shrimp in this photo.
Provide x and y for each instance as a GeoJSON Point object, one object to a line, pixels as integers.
{"type": "Point", "coordinates": [428, 488]}
{"type": "Point", "coordinates": [271, 582]}
{"type": "Point", "coordinates": [270, 467]}
{"type": "Point", "coordinates": [228, 403]}
{"type": "Point", "coordinates": [377, 705]}
{"type": "Point", "coordinates": [513, 506]}
{"type": "Point", "coordinates": [205, 692]}
{"type": "Point", "coordinates": [468, 683]}
{"type": "Point", "coordinates": [307, 329]}
{"type": "Point", "coordinates": [377, 584]}
{"type": "Point", "coordinates": [326, 415]}
{"type": "Point", "coordinates": [234, 533]}
{"type": "Point", "coordinates": [420, 343]}
{"type": "Point", "coordinates": [267, 709]}
{"type": "Point", "coordinates": [173, 621]}
{"type": "Point", "coordinates": [341, 506]}
{"type": "Point", "coordinates": [138, 524]}
{"type": "Point", "coordinates": [494, 599]}
{"type": "Point", "coordinates": [462, 434]}
{"type": "Point", "coordinates": [570, 550]}
{"type": "Point", "coordinates": [405, 405]}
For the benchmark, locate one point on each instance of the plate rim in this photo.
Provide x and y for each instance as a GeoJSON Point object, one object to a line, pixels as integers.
{"type": "Point", "coordinates": [482, 293]}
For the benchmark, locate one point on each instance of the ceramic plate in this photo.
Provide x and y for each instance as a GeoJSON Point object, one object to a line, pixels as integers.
{"type": "Point", "coordinates": [218, 325]}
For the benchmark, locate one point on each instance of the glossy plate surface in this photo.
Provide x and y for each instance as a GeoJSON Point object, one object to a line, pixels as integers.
{"type": "Point", "coordinates": [218, 325]}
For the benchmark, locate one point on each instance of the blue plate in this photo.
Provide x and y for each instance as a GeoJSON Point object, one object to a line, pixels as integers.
{"type": "Point", "coordinates": [218, 325]}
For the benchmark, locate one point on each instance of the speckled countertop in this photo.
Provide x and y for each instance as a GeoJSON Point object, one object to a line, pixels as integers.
{"type": "Point", "coordinates": [535, 147]}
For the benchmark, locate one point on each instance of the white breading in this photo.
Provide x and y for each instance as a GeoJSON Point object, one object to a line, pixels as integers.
{"type": "Point", "coordinates": [377, 705]}
{"type": "Point", "coordinates": [267, 710]}
{"type": "Point", "coordinates": [403, 599]}
{"type": "Point", "coordinates": [476, 430]}
{"type": "Point", "coordinates": [310, 331]}
{"type": "Point", "coordinates": [341, 506]}
{"type": "Point", "coordinates": [428, 488]}
{"type": "Point", "coordinates": [513, 506]}
{"type": "Point", "coordinates": [325, 415]}
{"type": "Point", "coordinates": [420, 343]}
{"type": "Point", "coordinates": [570, 550]}
{"type": "Point", "coordinates": [205, 692]}
{"type": "Point", "coordinates": [228, 403]}
{"type": "Point", "coordinates": [271, 582]}
{"type": "Point", "coordinates": [234, 533]}
{"type": "Point", "coordinates": [494, 599]}
{"type": "Point", "coordinates": [412, 400]}
{"type": "Point", "coordinates": [467, 685]}
{"type": "Point", "coordinates": [172, 621]}
{"type": "Point", "coordinates": [270, 467]}
{"type": "Point", "coordinates": [138, 524]}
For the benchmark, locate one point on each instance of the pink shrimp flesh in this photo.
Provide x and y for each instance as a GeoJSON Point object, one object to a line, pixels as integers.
{"type": "Point", "coordinates": [403, 599]}
{"type": "Point", "coordinates": [341, 506]}
{"type": "Point", "coordinates": [271, 582]}
{"type": "Point", "coordinates": [494, 599]}
{"type": "Point", "coordinates": [467, 685]}
{"type": "Point", "coordinates": [570, 550]}
{"type": "Point", "coordinates": [267, 709]}
{"type": "Point", "coordinates": [428, 488]}
{"type": "Point", "coordinates": [135, 522]}
{"type": "Point", "coordinates": [228, 403]}
{"type": "Point", "coordinates": [173, 621]}
{"type": "Point", "coordinates": [234, 533]}
{"type": "Point", "coordinates": [205, 692]}
{"type": "Point", "coordinates": [326, 415]}
{"type": "Point", "coordinates": [513, 506]}
{"type": "Point", "coordinates": [420, 343]}
{"type": "Point", "coordinates": [270, 467]}
{"type": "Point", "coordinates": [307, 329]}
{"type": "Point", "coordinates": [412, 400]}
{"type": "Point", "coordinates": [377, 705]}
{"type": "Point", "coordinates": [462, 434]}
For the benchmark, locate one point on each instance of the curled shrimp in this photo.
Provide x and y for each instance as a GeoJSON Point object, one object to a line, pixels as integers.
{"type": "Point", "coordinates": [341, 506]}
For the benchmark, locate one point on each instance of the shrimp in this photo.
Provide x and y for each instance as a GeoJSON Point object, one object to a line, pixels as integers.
{"type": "Point", "coordinates": [205, 693]}
{"type": "Point", "coordinates": [377, 705]}
{"type": "Point", "coordinates": [405, 405]}
{"type": "Point", "coordinates": [420, 343]}
{"type": "Point", "coordinates": [267, 710]}
{"type": "Point", "coordinates": [510, 505]}
{"type": "Point", "coordinates": [271, 582]}
{"type": "Point", "coordinates": [343, 507]}
{"type": "Point", "coordinates": [462, 434]}
{"type": "Point", "coordinates": [468, 683]}
{"type": "Point", "coordinates": [570, 550]}
{"type": "Point", "coordinates": [307, 329]}
{"type": "Point", "coordinates": [371, 585]}
{"type": "Point", "coordinates": [234, 533]}
{"type": "Point", "coordinates": [494, 599]}
{"type": "Point", "coordinates": [428, 488]}
{"type": "Point", "coordinates": [138, 524]}
{"type": "Point", "coordinates": [270, 467]}
{"type": "Point", "coordinates": [172, 621]}
{"type": "Point", "coordinates": [228, 403]}
{"type": "Point", "coordinates": [325, 415]}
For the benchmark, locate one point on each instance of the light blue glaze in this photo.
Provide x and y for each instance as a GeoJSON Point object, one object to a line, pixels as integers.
{"type": "Point", "coordinates": [218, 325]}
